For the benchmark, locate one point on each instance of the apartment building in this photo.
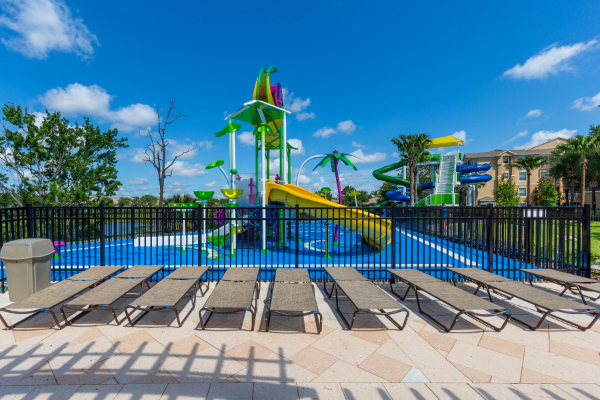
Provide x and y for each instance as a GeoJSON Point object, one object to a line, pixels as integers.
{"type": "Point", "coordinates": [501, 162]}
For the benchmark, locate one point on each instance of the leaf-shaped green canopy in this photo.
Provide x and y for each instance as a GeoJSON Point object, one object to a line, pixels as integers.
{"type": "Point", "coordinates": [340, 156]}
{"type": "Point", "coordinates": [325, 189]}
{"type": "Point", "coordinates": [230, 127]}
{"type": "Point", "coordinates": [215, 164]}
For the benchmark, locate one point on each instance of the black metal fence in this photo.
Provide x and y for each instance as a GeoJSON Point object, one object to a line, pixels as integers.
{"type": "Point", "coordinates": [499, 239]}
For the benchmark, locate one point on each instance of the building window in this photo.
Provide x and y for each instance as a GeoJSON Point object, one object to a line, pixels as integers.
{"type": "Point", "coordinates": [505, 160]}
{"type": "Point", "coordinates": [505, 176]}
{"type": "Point", "coordinates": [543, 174]}
{"type": "Point", "coordinates": [522, 176]}
{"type": "Point", "coordinates": [523, 192]}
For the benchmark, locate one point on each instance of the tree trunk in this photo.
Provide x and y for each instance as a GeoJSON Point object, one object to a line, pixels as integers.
{"type": "Point", "coordinates": [412, 191]}
{"type": "Point", "coordinates": [528, 186]}
{"type": "Point", "coordinates": [594, 197]}
{"type": "Point", "coordinates": [583, 168]}
{"type": "Point", "coordinates": [572, 192]}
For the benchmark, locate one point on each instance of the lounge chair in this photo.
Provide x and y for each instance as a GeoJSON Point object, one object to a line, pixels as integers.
{"type": "Point", "coordinates": [545, 303]}
{"type": "Point", "coordinates": [573, 283]}
{"type": "Point", "coordinates": [47, 299]}
{"type": "Point", "coordinates": [364, 295]}
{"type": "Point", "coordinates": [234, 293]}
{"type": "Point", "coordinates": [104, 296]}
{"type": "Point", "coordinates": [293, 295]}
{"type": "Point", "coordinates": [168, 292]}
{"type": "Point", "coordinates": [460, 300]}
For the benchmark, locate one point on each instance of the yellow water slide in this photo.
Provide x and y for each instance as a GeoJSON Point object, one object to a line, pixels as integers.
{"type": "Point", "coordinates": [376, 231]}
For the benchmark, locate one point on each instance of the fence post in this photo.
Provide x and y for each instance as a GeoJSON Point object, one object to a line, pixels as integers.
{"type": "Point", "coordinates": [489, 241]}
{"type": "Point", "coordinates": [29, 216]}
{"type": "Point", "coordinates": [296, 223]}
{"type": "Point", "coordinates": [394, 235]}
{"type": "Point", "coordinates": [587, 256]}
{"type": "Point", "coordinates": [200, 210]}
{"type": "Point", "coordinates": [102, 234]}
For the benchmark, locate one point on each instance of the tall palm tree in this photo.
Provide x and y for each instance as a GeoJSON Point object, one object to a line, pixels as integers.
{"type": "Point", "coordinates": [581, 146]}
{"type": "Point", "coordinates": [562, 166]}
{"type": "Point", "coordinates": [529, 163]}
{"type": "Point", "coordinates": [335, 159]}
{"type": "Point", "coordinates": [413, 150]}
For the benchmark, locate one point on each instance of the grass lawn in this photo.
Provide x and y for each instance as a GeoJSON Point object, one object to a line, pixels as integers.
{"type": "Point", "coordinates": [595, 242]}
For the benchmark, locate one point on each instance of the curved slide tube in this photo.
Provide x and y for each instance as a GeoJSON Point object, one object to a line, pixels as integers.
{"type": "Point", "coordinates": [471, 168]}
{"type": "Point", "coordinates": [475, 179]}
{"type": "Point", "coordinates": [376, 231]}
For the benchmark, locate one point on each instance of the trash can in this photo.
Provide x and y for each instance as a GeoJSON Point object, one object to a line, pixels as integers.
{"type": "Point", "coordinates": [27, 263]}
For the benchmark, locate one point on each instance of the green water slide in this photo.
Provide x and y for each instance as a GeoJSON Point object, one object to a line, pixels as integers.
{"type": "Point", "coordinates": [380, 175]}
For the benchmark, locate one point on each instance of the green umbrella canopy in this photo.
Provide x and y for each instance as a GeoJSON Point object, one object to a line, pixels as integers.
{"type": "Point", "coordinates": [215, 164]}
{"type": "Point", "coordinates": [230, 127]}
{"type": "Point", "coordinates": [340, 156]}
{"type": "Point", "coordinates": [249, 113]}
{"type": "Point", "coordinates": [325, 190]}
{"type": "Point", "coordinates": [355, 193]}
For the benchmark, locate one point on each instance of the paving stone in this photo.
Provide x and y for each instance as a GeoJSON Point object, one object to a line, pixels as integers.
{"type": "Point", "coordinates": [408, 391]}
{"type": "Point", "coordinates": [96, 392]}
{"type": "Point", "coordinates": [454, 391]}
{"type": "Point", "coordinates": [271, 391]}
{"type": "Point", "coordinates": [346, 347]}
{"type": "Point", "coordinates": [564, 368]}
{"type": "Point", "coordinates": [321, 391]}
{"type": "Point", "coordinates": [415, 375]}
{"type": "Point", "coordinates": [197, 391]}
{"type": "Point", "coordinates": [342, 371]}
{"type": "Point", "coordinates": [229, 391]}
{"type": "Point", "coordinates": [51, 392]}
{"type": "Point", "coordinates": [145, 392]}
{"type": "Point", "coordinates": [356, 391]}
{"type": "Point", "coordinates": [314, 360]}
{"type": "Point", "coordinates": [385, 367]}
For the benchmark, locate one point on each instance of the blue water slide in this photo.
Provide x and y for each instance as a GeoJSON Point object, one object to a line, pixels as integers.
{"type": "Point", "coordinates": [396, 195]}
{"type": "Point", "coordinates": [472, 168]}
{"type": "Point", "coordinates": [428, 185]}
{"type": "Point", "coordinates": [475, 179]}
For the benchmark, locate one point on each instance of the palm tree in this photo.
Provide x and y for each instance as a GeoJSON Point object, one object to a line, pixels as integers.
{"type": "Point", "coordinates": [335, 158]}
{"type": "Point", "coordinates": [413, 150]}
{"type": "Point", "coordinates": [581, 146]}
{"type": "Point", "coordinates": [529, 163]}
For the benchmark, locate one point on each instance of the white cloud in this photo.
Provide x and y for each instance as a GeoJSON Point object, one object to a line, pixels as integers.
{"type": "Point", "coordinates": [42, 26]}
{"type": "Point", "coordinates": [187, 170]}
{"type": "Point", "coordinates": [533, 114]}
{"type": "Point", "coordinates": [39, 118]}
{"type": "Point", "coordinates": [518, 135]}
{"type": "Point", "coordinates": [543, 136]}
{"type": "Point", "coordinates": [298, 144]}
{"type": "Point", "coordinates": [137, 155]}
{"type": "Point", "coordinates": [358, 145]}
{"type": "Point", "coordinates": [324, 132]}
{"type": "Point", "coordinates": [305, 115]}
{"type": "Point", "coordinates": [366, 158]}
{"type": "Point", "coordinates": [587, 103]}
{"type": "Point", "coordinates": [316, 173]}
{"type": "Point", "coordinates": [137, 181]}
{"type": "Point", "coordinates": [550, 60]}
{"type": "Point", "coordinates": [178, 187]}
{"type": "Point", "coordinates": [394, 155]}
{"type": "Point", "coordinates": [207, 144]}
{"type": "Point", "coordinates": [210, 184]}
{"type": "Point", "coordinates": [94, 101]}
{"type": "Point", "coordinates": [346, 127]}
{"type": "Point", "coordinates": [297, 105]}
{"type": "Point", "coordinates": [304, 180]}
{"type": "Point", "coordinates": [246, 138]}
{"type": "Point", "coordinates": [462, 135]}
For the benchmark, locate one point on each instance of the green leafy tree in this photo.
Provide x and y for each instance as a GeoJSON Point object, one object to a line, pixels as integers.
{"type": "Point", "coordinates": [136, 202]}
{"type": "Point", "coordinates": [181, 198]}
{"type": "Point", "coordinates": [506, 194]}
{"type": "Point", "coordinates": [148, 200]}
{"type": "Point", "coordinates": [581, 146]}
{"type": "Point", "coordinates": [545, 193]}
{"type": "Point", "coordinates": [413, 150]}
{"type": "Point", "coordinates": [529, 163]}
{"type": "Point", "coordinates": [107, 201]}
{"type": "Point", "coordinates": [53, 162]}
{"type": "Point", "coordinates": [563, 166]}
{"type": "Point", "coordinates": [124, 201]}
{"type": "Point", "coordinates": [212, 202]}
{"type": "Point", "coordinates": [381, 192]}
{"type": "Point", "coordinates": [361, 197]}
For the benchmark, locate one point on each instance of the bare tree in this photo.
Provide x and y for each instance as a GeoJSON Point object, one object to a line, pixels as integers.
{"type": "Point", "coordinates": [155, 152]}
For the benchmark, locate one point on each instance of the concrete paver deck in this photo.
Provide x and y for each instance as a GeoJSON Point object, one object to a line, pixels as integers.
{"type": "Point", "coordinates": [94, 358]}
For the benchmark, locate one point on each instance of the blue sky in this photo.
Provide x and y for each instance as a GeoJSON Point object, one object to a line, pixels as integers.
{"type": "Point", "coordinates": [500, 75]}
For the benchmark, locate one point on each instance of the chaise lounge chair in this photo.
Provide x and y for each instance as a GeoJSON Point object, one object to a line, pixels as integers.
{"type": "Point", "coordinates": [573, 283]}
{"type": "Point", "coordinates": [293, 295]}
{"type": "Point", "coordinates": [104, 296]}
{"type": "Point", "coordinates": [364, 295]}
{"type": "Point", "coordinates": [234, 293]}
{"type": "Point", "coordinates": [545, 303]}
{"type": "Point", "coordinates": [464, 302]}
{"type": "Point", "coordinates": [168, 292]}
{"type": "Point", "coordinates": [47, 299]}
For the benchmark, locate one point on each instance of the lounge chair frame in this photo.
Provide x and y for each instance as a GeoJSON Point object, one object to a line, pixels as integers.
{"type": "Point", "coordinates": [197, 286]}
{"type": "Point", "coordinates": [316, 313]}
{"type": "Point", "coordinates": [34, 312]}
{"type": "Point", "coordinates": [574, 287]}
{"type": "Point", "coordinates": [545, 311]}
{"type": "Point", "coordinates": [215, 310]}
{"type": "Point", "coordinates": [358, 310]}
{"type": "Point", "coordinates": [472, 314]}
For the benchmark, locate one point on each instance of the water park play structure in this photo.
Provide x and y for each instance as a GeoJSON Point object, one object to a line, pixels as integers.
{"type": "Point", "coordinates": [264, 217]}
{"type": "Point", "coordinates": [447, 173]}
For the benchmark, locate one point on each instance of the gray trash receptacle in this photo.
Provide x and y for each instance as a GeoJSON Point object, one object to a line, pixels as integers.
{"type": "Point", "coordinates": [27, 263]}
